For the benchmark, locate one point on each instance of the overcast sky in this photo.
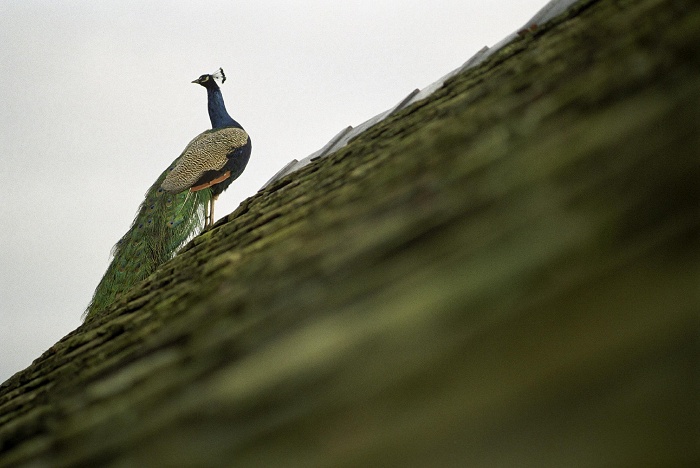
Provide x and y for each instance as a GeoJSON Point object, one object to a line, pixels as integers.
{"type": "Point", "coordinates": [96, 101]}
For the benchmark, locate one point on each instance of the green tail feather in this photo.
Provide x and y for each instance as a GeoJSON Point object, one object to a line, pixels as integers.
{"type": "Point", "coordinates": [163, 223]}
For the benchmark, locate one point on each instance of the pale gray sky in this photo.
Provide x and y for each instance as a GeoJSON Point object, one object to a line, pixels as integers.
{"type": "Point", "coordinates": [97, 101]}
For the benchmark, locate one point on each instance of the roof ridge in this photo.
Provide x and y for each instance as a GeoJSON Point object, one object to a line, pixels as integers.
{"type": "Point", "coordinates": [547, 13]}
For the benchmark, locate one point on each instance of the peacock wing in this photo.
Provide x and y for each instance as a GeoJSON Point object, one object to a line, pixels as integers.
{"type": "Point", "coordinates": [208, 153]}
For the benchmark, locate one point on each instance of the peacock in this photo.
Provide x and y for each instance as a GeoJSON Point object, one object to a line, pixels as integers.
{"type": "Point", "coordinates": [180, 202]}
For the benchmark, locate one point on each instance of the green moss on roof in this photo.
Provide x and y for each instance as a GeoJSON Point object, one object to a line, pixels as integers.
{"type": "Point", "coordinates": [504, 273]}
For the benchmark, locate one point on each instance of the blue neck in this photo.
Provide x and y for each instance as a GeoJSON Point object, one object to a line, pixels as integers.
{"type": "Point", "coordinates": [217, 110]}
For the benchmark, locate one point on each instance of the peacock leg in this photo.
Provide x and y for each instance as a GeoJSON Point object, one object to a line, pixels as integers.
{"type": "Point", "coordinates": [211, 210]}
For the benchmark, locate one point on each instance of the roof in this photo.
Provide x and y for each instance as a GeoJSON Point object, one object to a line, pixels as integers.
{"type": "Point", "coordinates": [342, 138]}
{"type": "Point", "coordinates": [500, 273]}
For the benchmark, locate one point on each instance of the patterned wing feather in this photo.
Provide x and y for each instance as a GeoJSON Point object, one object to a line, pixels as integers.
{"type": "Point", "coordinates": [209, 151]}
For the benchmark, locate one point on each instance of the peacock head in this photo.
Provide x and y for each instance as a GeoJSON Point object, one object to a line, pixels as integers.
{"type": "Point", "coordinates": [213, 80]}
